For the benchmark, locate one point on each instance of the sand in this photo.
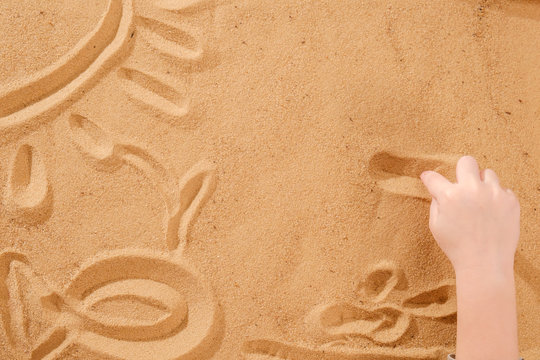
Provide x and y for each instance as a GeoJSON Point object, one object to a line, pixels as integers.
{"type": "Point", "coordinates": [239, 179]}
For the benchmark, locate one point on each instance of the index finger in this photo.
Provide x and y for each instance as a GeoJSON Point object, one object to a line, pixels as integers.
{"type": "Point", "coordinates": [467, 170]}
{"type": "Point", "coordinates": [435, 183]}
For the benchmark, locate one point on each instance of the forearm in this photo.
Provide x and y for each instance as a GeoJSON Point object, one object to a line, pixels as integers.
{"type": "Point", "coordinates": [487, 318]}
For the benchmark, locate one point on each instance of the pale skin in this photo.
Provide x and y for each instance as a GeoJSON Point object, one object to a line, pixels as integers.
{"type": "Point", "coordinates": [475, 222]}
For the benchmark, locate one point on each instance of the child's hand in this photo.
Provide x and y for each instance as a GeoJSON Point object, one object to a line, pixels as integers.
{"type": "Point", "coordinates": [475, 221]}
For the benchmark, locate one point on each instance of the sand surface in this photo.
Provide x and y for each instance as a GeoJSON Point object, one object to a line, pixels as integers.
{"type": "Point", "coordinates": [239, 179]}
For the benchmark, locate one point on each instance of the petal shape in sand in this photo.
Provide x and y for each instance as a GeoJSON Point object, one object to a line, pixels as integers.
{"type": "Point", "coordinates": [196, 186]}
{"type": "Point", "coordinates": [92, 140]}
{"type": "Point", "coordinates": [28, 194]}
{"type": "Point", "coordinates": [134, 310]}
{"type": "Point", "coordinates": [157, 94]}
{"type": "Point", "coordinates": [177, 40]}
{"type": "Point", "coordinates": [155, 278]}
{"type": "Point", "coordinates": [433, 303]}
{"type": "Point", "coordinates": [23, 316]}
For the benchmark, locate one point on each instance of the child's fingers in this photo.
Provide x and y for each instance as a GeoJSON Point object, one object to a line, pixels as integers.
{"type": "Point", "coordinates": [467, 170]}
{"type": "Point", "coordinates": [435, 183]}
{"type": "Point", "coordinates": [490, 177]}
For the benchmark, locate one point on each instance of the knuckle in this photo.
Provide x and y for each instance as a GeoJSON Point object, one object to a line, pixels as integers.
{"type": "Point", "coordinates": [448, 193]}
{"type": "Point", "coordinates": [497, 191]}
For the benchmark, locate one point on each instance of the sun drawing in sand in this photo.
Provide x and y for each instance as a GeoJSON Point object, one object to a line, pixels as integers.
{"type": "Point", "coordinates": [42, 322]}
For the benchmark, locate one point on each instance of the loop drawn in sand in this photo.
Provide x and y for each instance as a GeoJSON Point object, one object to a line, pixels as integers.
{"type": "Point", "coordinates": [400, 174]}
{"type": "Point", "coordinates": [381, 279]}
{"type": "Point", "coordinates": [28, 195]}
{"type": "Point", "coordinates": [383, 324]}
{"type": "Point", "coordinates": [178, 319]}
{"type": "Point", "coordinates": [29, 98]}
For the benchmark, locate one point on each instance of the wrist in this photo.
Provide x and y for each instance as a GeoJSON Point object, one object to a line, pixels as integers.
{"type": "Point", "coordinates": [485, 281]}
{"type": "Point", "coordinates": [485, 269]}
{"type": "Point", "coordinates": [487, 314]}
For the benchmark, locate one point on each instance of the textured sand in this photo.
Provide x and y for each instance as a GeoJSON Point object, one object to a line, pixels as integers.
{"type": "Point", "coordinates": [239, 180]}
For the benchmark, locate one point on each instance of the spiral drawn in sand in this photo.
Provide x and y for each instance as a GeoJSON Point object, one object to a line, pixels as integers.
{"type": "Point", "coordinates": [30, 98]}
{"type": "Point", "coordinates": [261, 349]}
{"type": "Point", "coordinates": [400, 174]}
{"type": "Point", "coordinates": [376, 318]}
{"type": "Point", "coordinates": [28, 194]}
{"type": "Point", "coordinates": [125, 304]}
{"type": "Point", "coordinates": [154, 93]}
{"type": "Point", "coordinates": [183, 198]}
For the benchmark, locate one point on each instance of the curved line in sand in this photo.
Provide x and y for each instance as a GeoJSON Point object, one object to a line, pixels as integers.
{"type": "Point", "coordinates": [31, 97]}
{"type": "Point", "coordinates": [270, 349]}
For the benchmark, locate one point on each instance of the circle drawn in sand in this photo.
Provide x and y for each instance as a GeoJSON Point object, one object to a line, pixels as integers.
{"type": "Point", "coordinates": [187, 328]}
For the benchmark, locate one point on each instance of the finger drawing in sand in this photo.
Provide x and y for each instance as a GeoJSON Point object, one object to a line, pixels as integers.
{"type": "Point", "coordinates": [381, 321]}
{"type": "Point", "coordinates": [160, 290]}
{"type": "Point", "coordinates": [130, 303]}
{"type": "Point", "coordinates": [399, 174]}
{"type": "Point", "coordinates": [374, 317]}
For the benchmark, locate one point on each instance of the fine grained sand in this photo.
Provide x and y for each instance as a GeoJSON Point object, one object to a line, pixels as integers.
{"type": "Point", "coordinates": [212, 179]}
